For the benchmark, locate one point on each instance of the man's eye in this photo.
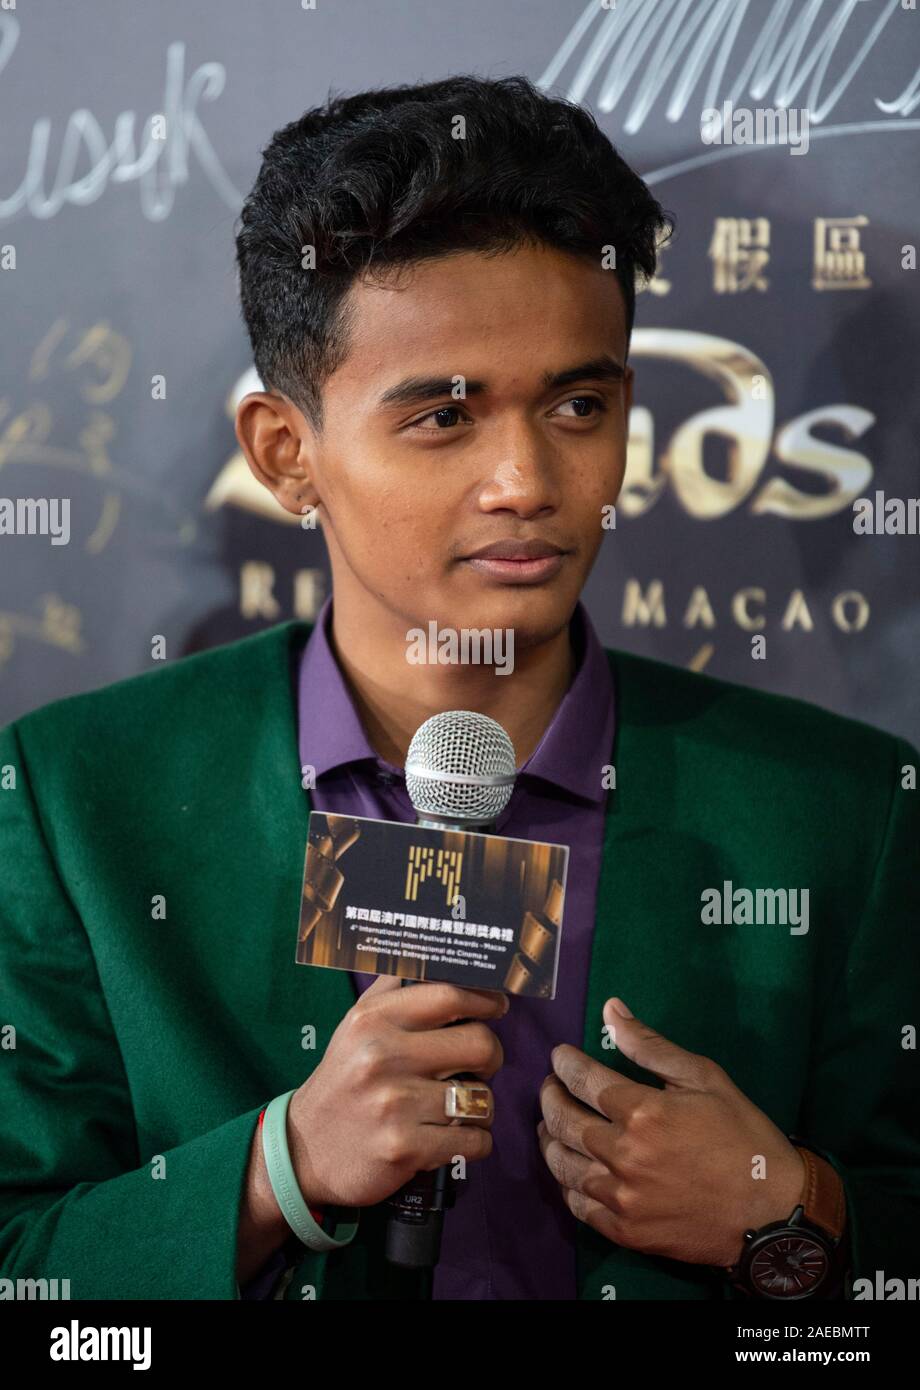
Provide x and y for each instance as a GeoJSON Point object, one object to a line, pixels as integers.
{"type": "Point", "coordinates": [599, 405]}
{"type": "Point", "coordinates": [433, 415]}
{"type": "Point", "coordinates": [449, 415]}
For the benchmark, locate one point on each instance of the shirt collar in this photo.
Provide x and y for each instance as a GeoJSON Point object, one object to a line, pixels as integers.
{"type": "Point", "coordinates": [576, 744]}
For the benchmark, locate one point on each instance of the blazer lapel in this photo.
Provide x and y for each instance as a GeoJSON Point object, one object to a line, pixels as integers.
{"type": "Point", "coordinates": [640, 950]}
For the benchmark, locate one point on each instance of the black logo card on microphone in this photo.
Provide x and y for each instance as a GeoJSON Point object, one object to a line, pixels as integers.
{"type": "Point", "coordinates": [386, 898]}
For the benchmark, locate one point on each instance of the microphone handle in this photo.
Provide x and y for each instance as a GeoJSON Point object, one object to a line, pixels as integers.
{"type": "Point", "coordinates": [416, 1221]}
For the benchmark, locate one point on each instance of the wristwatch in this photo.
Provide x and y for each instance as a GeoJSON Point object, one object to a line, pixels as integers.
{"type": "Point", "coordinates": [806, 1255]}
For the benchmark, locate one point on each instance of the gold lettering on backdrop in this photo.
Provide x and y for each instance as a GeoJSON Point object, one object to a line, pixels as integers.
{"type": "Point", "coordinates": [741, 613]}
{"type": "Point", "coordinates": [257, 592]}
{"type": "Point", "coordinates": [309, 592]}
{"type": "Point", "coordinates": [797, 613]}
{"type": "Point", "coordinates": [700, 660]}
{"type": "Point", "coordinates": [658, 285]}
{"type": "Point", "coordinates": [103, 351]}
{"type": "Point", "coordinates": [644, 608]}
{"type": "Point", "coordinates": [739, 251]}
{"type": "Point", "coordinates": [642, 486]}
{"type": "Point", "coordinates": [840, 264]}
{"type": "Point", "coordinates": [699, 609]}
{"type": "Point", "coordinates": [847, 473]}
{"type": "Point", "coordinates": [445, 866]}
{"type": "Point", "coordinates": [840, 610]}
{"type": "Point", "coordinates": [107, 354]}
{"type": "Point", "coordinates": [849, 611]}
{"type": "Point", "coordinates": [59, 626]}
{"type": "Point", "coordinates": [257, 599]}
{"type": "Point", "coordinates": [745, 424]}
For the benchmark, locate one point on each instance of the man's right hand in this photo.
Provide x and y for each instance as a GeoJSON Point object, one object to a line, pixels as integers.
{"type": "Point", "coordinates": [372, 1113]}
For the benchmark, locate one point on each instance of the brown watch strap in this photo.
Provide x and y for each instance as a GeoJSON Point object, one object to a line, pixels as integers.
{"type": "Point", "coordinates": [823, 1197]}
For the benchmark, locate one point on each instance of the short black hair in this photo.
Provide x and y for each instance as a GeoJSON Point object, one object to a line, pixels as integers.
{"type": "Point", "coordinates": [381, 179]}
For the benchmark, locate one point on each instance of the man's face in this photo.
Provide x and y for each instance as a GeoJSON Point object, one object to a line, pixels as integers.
{"type": "Point", "coordinates": [410, 488]}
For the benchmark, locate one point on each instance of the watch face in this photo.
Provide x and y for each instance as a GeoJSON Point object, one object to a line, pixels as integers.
{"type": "Point", "coordinates": [788, 1266]}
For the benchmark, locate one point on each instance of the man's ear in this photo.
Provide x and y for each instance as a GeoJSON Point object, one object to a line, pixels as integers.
{"type": "Point", "coordinates": [273, 435]}
{"type": "Point", "coordinates": [628, 389]}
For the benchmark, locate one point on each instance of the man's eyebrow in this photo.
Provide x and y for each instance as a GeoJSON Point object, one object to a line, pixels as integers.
{"type": "Point", "coordinates": [603, 368]}
{"type": "Point", "coordinates": [415, 390]}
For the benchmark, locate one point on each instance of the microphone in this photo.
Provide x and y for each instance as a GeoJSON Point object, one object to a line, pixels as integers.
{"type": "Point", "coordinates": [460, 774]}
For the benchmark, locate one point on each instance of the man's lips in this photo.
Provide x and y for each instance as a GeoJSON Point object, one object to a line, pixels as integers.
{"type": "Point", "coordinates": [518, 562]}
{"type": "Point", "coordinates": [515, 550]}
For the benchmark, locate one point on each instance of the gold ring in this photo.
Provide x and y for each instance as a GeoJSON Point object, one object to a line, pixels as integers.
{"type": "Point", "coordinates": [464, 1100]}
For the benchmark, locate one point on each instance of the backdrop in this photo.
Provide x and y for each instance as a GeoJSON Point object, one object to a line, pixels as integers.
{"type": "Point", "coordinates": [776, 351]}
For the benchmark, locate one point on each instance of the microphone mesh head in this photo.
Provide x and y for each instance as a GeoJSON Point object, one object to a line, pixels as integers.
{"type": "Point", "coordinates": [460, 765]}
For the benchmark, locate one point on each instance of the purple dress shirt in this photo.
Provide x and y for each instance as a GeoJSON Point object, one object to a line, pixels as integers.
{"type": "Point", "coordinates": [509, 1234]}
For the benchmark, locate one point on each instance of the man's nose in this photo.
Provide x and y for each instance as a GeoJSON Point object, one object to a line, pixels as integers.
{"type": "Point", "coordinates": [524, 475]}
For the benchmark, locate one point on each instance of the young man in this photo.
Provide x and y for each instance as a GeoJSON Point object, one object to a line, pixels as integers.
{"type": "Point", "coordinates": [423, 274]}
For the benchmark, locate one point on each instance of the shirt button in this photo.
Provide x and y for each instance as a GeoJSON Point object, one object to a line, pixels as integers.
{"type": "Point", "coordinates": [385, 777]}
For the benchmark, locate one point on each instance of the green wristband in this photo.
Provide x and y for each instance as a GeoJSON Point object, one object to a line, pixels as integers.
{"type": "Point", "coordinates": [285, 1187]}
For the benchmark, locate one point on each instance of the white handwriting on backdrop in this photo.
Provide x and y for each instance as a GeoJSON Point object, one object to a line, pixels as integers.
{"type": "Point", "coordinates": [168, 138]}
{"type": "Point", "coordinates": [662, 43]}
{"type": "Point", "coordinates": [657, 42]}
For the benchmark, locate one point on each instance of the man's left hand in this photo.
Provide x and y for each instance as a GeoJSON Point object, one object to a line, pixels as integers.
{"type": "Point", "coordinates": [667, 1172]}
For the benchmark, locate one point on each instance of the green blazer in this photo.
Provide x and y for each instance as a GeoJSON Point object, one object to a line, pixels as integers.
{"type": "Point", "coordinates": [136, 1051]}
